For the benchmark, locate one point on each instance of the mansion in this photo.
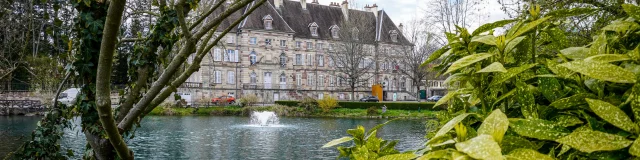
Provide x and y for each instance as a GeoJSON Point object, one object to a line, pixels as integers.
{"type": "Point", "coordinates": [281, 52]}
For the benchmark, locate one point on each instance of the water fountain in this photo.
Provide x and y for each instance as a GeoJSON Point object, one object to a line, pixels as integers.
{"type": "Point", "coordinates": [264, 118]}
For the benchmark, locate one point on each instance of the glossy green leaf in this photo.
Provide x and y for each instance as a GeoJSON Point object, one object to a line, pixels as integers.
{"type": "Point", "coordinates": [493, 67]}
{"type": "Point", "coordinates": [549, 86]}
{"type": "Point", "coordinates": [561, 13]}
{"type": "Point", "coordinates": [495, 125]}
{"type": "Point", "coordinates": [528, 27]}
{"type": "Point", "coordinates": [621, 26]}
{"type": "Point", "coordinates": [452, 123]}
{"type": "Point", "coordinates": [467, 60]}
{"type": "Point", "coordinates": [435, 55]}
{"type": "Point", "coordinates": [455, 78]}
{"type": "Point", "coordinates": [601, 71]}
{"type": "Point", "coordinates": [378, 127]}
{"type": "Point", "coordinates": [576, 53]}
{"type": "Point", "coordinates": [632, 10]}
{"type": "Point", "coordinates": [439, 154]}
{"type": "Point", "coordinates": [525, 97]}
{"type": "Point", "coordinates": [538, 128]}
{"type": "Point", "coordinates": [503, 96]}
{"type": "Point", "coordinates": [588, 141]}
{"type": "Point", "coordinates": [635, 101]}
{"type": "Point", "coordinates": [599, 46]}
{"type": "Point", "coordinates": [512, 142]}
{"type": "Point", "coordinates": [511, 72]}
{"type": "Point", "coordinates": [407, 156]}
{"type": "Point", "coordinates": [612, 114]}
{"type": "Point", "coordinates": [513, 43]}
{"type": "Point", "coordinates": [445, 98]}
{"type": "Point", "coordinates": [635, 148]}
{"type": "Point", "coordinates": [608, 58]}
{"type": "Point", "coordinates": [486, 39]}
{"type": "Point", "coordinates": [527, 154]}
{"type": "Point", "coordinates": [571, 101]}
{"type": "Point", "coordinates": [480, 147]}
{"type": "Point", "coordinates": [567, 120]}
{"type": "Point", "coordinates": [337, 141]}
{"type": "Point", "coordinates": [489, 26]}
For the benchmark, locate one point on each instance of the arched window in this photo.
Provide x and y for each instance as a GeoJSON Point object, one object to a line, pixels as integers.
{"type": "Point", "coordinates": [254, 77]}
{"type": "Point", "coordinates": [283, 60]}
{"type": "Point", "coordinates": [268, 22]}
{"type": "Point", "coordinates": [313, 28]}
{"type": "Point", "coordinates": [355, 33]}
{"type": "Point", "coordinates": [394, 35]}
{"type": "Point", "coordinates": [334, 31]}
{"type": "Point", "coordinates": [253, 57]}
{"type": "Point", "coordinates": [283, 78]}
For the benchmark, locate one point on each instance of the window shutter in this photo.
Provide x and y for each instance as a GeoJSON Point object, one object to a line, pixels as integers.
{"type": "Point", "coordinates": [237, 54]}
{"type": "Point", "coordinates": [303, 61]}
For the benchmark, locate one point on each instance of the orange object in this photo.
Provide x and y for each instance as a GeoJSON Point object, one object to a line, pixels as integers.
{"type": "Point", "coordinates": [376, 90]}
{"type": "Point", "coordinates": [220, 99]}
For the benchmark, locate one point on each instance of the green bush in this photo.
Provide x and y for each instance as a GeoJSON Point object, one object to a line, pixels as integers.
{"type": "Point", "coordinates": [372, 111]}
{"type": "Point", "coordinates": [309, 104]}
{"type": "Point", "coordinates": [248, 100]}
{"type": "Point", "coordinates": [288, 103]}
{"type": "Point", "coordinates": [327, 103]}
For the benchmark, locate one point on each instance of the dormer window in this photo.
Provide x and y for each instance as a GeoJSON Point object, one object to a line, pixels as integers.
{"type": "Point", "coordinates": [354, 34]}
{"type": "Point", "coordinates": [313, 28]}
{"type": "Point", "coordinates": [268, 22]}
{"type": "Point", "coordinates": [334, 31]}
{"type": "Point", "coordinates": [394, 35]}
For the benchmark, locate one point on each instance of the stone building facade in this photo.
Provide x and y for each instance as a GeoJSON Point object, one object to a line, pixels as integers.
{"type": "Point", "coordinates": [281, 52]}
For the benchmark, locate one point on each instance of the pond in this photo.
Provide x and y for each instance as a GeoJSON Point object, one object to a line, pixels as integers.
{"type": "Point", "coordinates": [203, 137]}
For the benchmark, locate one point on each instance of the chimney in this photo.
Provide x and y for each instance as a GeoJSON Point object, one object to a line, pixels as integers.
{"type": "Point", "coordinates": [315, 2]}
{"type": "Point", "coordinates": [374, 9]}
{"type": "Point", "coordinates": [367, 8]}
{"type": "Point", "coordinates": [304, 4]}
{"type": "Point", "coordinates": [345, 9]}
{"type": "Point", "coordinates": [277, 3]}
{"type": "Point", "coordinates": [401, 27]}
{"type": "Point", "coordinates": [334, 4]}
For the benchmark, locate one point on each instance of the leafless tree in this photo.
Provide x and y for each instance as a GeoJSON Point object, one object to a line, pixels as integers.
{"type": "Point", "coordinates": [411, 57]}
{"type": "Point", "coordinates": [447, 14]}
{"type": "Point", "coordinates": [353, 49]}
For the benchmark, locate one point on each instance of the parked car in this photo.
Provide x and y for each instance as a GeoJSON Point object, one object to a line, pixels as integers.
{"type": "Point", "coordinates": [434, 98]}
{"type": "Point", "coordinates": [369, 99]}
{"type": "Point", "coordinates": [222, 99]}
{"type": "Point", "coordinates": [68, 97]}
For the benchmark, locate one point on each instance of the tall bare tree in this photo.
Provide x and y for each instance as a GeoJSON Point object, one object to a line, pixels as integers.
{"type": "Point", "coordinates": [411, 57]}
{"type": "Point", "coordinates": [447, 14]}
{"type": "Point", "coordinates": [356, 43]}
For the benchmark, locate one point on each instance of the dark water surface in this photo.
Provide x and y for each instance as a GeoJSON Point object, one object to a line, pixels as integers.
{"type": "Point", "coordinates": [200, 137]}
{"type": "Point", "coordinates": [15, 130]}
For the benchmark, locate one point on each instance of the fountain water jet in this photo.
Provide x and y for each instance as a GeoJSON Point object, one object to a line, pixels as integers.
{"type": "Point", "coordinates": [264, 118]}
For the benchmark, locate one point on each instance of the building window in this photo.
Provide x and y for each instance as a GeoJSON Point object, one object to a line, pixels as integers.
{"type": "Point", "coordinates": [253, 78]}
{"type": "Point", "coordinates": [283, 78]}
{"type": "Point", "coordinates": [309, 60]}
{"type": "Point", "coordinates": [217, 55]}
{"type": "Point", "coordinates": [268, 22]}
{"type": "Point", "coordinates": [309, 45]}
{"type": "Point", "coordinates": [218, 77]}
{"type": "Point", "coordinates": [334, 31]}
{"type": "Point", "coordinates": [319, 46]}
{"type": "Point", "coordinates": [231, 77]}
{"type": "Point", "coordinates": [298, 59]}
{"type": "Point", "coordinates": [283, 60]}
{"type": "Point", "coordinates": [321, 80]}
{"type": "Point", "coordinates": [267, 42]}
{"type": "Point", "coordinates": [313, 28]}
{"type": "Point", "coordinates": [310, 79]}
{"type": "Point", "coordinates": [403, 83]}
{"type": "Point", "coordinates": [298, 44]}
{"type": "Point", "coordinates": [229, 56]}
{"type": "Point", "coordinates": [332, 81]}
{"type": "Point", "coordinates": [253, 40]}
{"type": "Point", "coordinates": [394, 35]}
{"type": "Point", "coordinates": [230, 39]}
{"type": "Point", "coordinates": [253, 58]}
{"type": "Point", "coordinates": [283, 43]}
{"type": "Point", "coordinates": [320, 60]}
{"type": "Point", "coordinates": [299, 79]}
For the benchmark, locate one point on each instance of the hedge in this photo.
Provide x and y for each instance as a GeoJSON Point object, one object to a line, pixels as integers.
{"type": "Point", "coordinates": [366, 105]}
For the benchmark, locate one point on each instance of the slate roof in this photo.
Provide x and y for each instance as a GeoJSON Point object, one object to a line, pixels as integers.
{"type": "Point", "coordinates": [292, 18]}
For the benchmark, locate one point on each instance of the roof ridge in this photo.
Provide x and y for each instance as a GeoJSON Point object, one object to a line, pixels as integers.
{"type": "Point", "coordinates": [285, 21]}
{"type": "Point", "coordinates": [245, 18]}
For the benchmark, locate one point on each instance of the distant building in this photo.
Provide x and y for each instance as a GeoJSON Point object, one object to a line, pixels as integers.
{"type": "Point", "coordinates": [280, 52]}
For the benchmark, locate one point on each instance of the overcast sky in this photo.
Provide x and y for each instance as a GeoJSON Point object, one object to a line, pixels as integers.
{"type": "Point", "coordinates": [402, 11]}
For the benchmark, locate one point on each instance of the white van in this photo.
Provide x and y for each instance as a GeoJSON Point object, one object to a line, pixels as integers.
{"type": "Point", "coordinates": [69, 96]}
{"type": "Point", "coordinates": [186, 97]}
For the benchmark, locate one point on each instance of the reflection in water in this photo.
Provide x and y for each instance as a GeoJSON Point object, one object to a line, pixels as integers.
{"type": "Point", "coordinates": [197, 137]}
{"type": "Point", "coordinates": [15, 130]}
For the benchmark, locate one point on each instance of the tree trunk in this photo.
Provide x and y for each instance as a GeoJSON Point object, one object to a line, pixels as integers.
{"type": "Point", "coordinates": [102, 149]}
{"type": "Point", "coordinates": [418, 92]}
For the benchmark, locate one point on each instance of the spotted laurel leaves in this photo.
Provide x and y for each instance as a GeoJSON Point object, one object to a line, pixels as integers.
{"type": "Point", "coordinates": [567, 120]}
{"type": "Point", "coordinates": [608, 58]}
{"type": "Point", "coordinates": [452, 123]}
{"type": "Point", "coordinates": [445, 98]}
{"type": "Point", "coordinates": [635, 148]}
{"type": "Point", "coordinates": [529, 26]}
{"type": "Point", "coordinates": [435, 55]}
{"type": "Point", "coordinates": [612, 114]}
{"type": "Point", "coordinates": [527, 154]}
{"type": "Point", "coordinates": [571, 101]}
{"type": "Point", "coordinates": [337, 141]}
{"type": "Point", "coordinates": [588, 141]}
{"type": "Point", "coordinates": [512, 142]}
{"type": "Point", "coordinates": [467, 60]}
{"type": "Point", "coordinates": [524, 96]}
{"type": "Point", "coordinates": [538, 128]}
{"type": "Point", "coordinates": [496, 124]}
{"type": "Point", "coordinates": [490, 26]}
{"type": "Point", "coordinates": [549, 87]}
{"type": "Point", "coordinates": [407, 156]}
{"type": "Point", "coordinates": [635, 101]}
{"type": "Point", "coordinates": [621, 26]}
{"type": "Point", "coordinates": [599, 46]}
{"type": "Point", "coordinates": [601, 71]}
{"type": "Point", "coordinates": [493, 67]}
{"type": "Point", "coordinates": [511, 72]}
{"type": "Point", "coordinates": [513, 43]}
{"type": "Point", "coordinates": [632, 10]}
{"type": "Point", "coordinates": [576, 53]}
{"type": "Point", "coordinates": [486, 39]}
{"type": "Point", "coordinates": [480, 147]}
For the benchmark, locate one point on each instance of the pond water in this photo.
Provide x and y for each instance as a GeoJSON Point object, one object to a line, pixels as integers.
{"type": "Point", "coordinates": [200, 137]}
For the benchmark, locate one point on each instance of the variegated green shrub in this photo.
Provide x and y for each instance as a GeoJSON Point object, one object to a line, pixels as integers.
{"type": "Point", "coordinates": [530, 94]}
